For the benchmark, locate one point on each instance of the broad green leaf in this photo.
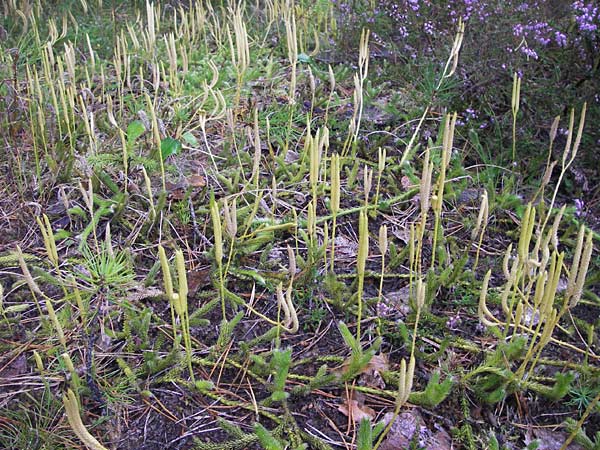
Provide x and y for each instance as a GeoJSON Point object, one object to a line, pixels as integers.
{"type": "Point", "coordinates": [134, 130]}
{"type": "Point", "coordinates": [304, 58]}
{"type": "Point", "coordinates": [169, 146]}
{"type": "Point", "coordinates": [190, 138]}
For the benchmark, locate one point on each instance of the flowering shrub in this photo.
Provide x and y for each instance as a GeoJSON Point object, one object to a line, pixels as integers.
{"type": "Point", "coordinates": [524, 28]}
{"type": "Point", "coordinates": [586, 16]}
{"type": "Point", "coordinates": [587, 21]}
{"type": "Point", "coordinates": [553, 45]}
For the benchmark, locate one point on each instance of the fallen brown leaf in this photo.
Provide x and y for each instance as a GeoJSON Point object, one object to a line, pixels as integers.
{"type": "Point", "coordinates": [379, 363]}
{"type": "Point", "coordinates": [355, 411]}
{"type": "Point", "coordinates": [196, 181]}
{"type": "Point", "coordinates": [376, 365]}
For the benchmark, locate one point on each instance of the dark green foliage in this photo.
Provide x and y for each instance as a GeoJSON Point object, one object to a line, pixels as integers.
{"type": "Point", "coordinates": [581, 437]}
{"type": "Point", "coordinates": [323, 377]}
{"type": "Point", "coordinates": [104, 269]}
{"type": "Point", "coordinates": [129, 374]}
{"type": "Point", "coordinates": [239, 441]}
{"type": "Point", "coordinates": [396, 256]}
{"type": "Point", "coordinates": [280, 364]}
{"type": "Point", "coordinates": [226, 332]}
{"type": "Point", "coordinates": [561, 387]}
{"type": "Point", "coordinates": [367, 434]}
{"type": "Point", "coordinates": [196, 317]}
{"type": "Point", "coordinates": [266, 439]}
{"type": "Point", "coordinates": [154, 362]}
{"type": "Point", "coordinates": [270, 335]}
{"type": "Point", "coordinates": [434, 393]}
{"type": "Point", "coordinates": [136, 328]}
{"type": "Point", "coordinates": [582, 395]}
{"type": "Point", "coordinates": [359, 359]}
{"type": "Point", "coordinates": [338, 290]}
{"type": "Point", "coordinates": [492, 381]}
{"type": "Point", "coordinates": [493, 384]}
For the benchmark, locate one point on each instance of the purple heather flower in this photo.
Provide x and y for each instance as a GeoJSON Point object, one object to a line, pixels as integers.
{"type": "Point", "coordinates": [560, 38]}
{"type": "Point", "coordinates": [454, 322]}
{"type": "Point", "coordinates": [587, 16]}
{"type": "Point", "coordinates": [579, 207]}
{"type": "Point", "coordinates": [469, 114]}
{"type": "Point", "coordinates": [529, 52]}
{"type": "Point", "coordinates": [518, 29]}
{"type": "Point", "coordinates": [429, 28]}
{"type": "Point", "coordinates": [402, 31]}
{"type": "Point", "coordinates": [382, 309]}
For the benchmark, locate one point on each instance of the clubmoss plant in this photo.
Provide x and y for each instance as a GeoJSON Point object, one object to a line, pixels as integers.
{"type": "Point", "coordinates": [434, 393]}
{"type": "Point", "coordinates": [363, 253]}
{"type": "Point", "coordinates": [240, 51]}
{"type": "Point", "coordinates": [419, 301]}
{"type": "Point", "coordinates": [367, 183]}
{"type": "Point", "coordinates": [383, 248]}
{"type": "Point", "coordinates": [218, 248]}
{"type": "Point", "coordinates": [480, 225]}
{"type": "Point", "coordinates": [238, 438]}
{"type": "Point", "coordinates": [528, 300]}
{"type": "Point", "coordinates": [359, 80]}
{"type": "Point", "coordinates": [281, 364]}
{"type": "Point", "coordinates": [315, 146]}
{"type": "Point", "coordinates": [331, 92]}
{"type": "Point", "coordinates": [226, 330]}
{"type": "Point", "coordinates": [528, 297]}
{"type": "Point", "coordinates": [292, 47]}
{"type": "Point", "coordinates": [579, 268]}
{"type": "Point", "coordinates": [578, 434]}
{"type": "Point", "coordinates": [515, 103]}
{"type": "Point", "coordinates": [33, 286]}
{"type": "Point", "coordinates": [448, 72]}
{"type": "Point", "coordinates": [49, 242]}
{"type": "Point", "coordinates": [231, 226]}
{"type": "Point", "coordinates": [266, 438]}
{"type": "Point", "coordinates": [381, 153]}
{"type": "Point", "coordinates": [359, 358]}
{"type": "Point", "coordinates": [75, 381]}
{"type": "Point", "coordinates": [405, 383]}
{"type": "Point", "coordinates": [437, 200]}
{"type": "Point", "coordinates": [334, 204]}
{"type": "Point", "coordinates": [178, 301]}
{"type": "Point", "coordinates": [72, 409]}
{"type": "Point", "coordinates": [569, 153]}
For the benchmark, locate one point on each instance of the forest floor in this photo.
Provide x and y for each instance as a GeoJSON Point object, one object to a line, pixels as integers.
{"type": "Point", "coordinates": [238, 227]}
